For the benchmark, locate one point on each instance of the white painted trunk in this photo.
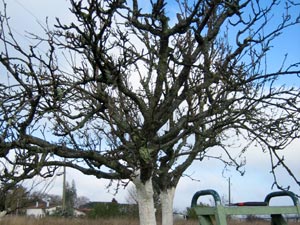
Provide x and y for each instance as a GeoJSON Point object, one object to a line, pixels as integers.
{"type": "Point", "coordinates": [145, 201]}
{"type": "Point", "coordinates": [166, 198]}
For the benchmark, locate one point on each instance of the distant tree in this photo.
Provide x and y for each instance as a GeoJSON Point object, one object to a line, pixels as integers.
{"type": "Point", "coordinates": [57, 199]}
{"type": "Point", "coordinates": [14, 199]}
{"type": "Point", "coordinates": [53, 199]}
{"type": "Point", "coordinates": [71, 196]}
{"type": "Point", "coordinates": [144, 88]}
{"type": "Point", "coordinates": [112, 209]}
{"type": "Point", "coordinates": [81, 200]}
{"type": "Point", "coordinates": [105, 210]}
{"type": "Point", "coordinates": [44, 197]}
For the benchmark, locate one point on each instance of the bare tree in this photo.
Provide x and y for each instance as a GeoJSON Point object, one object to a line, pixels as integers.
{"type": "Point", "coordinates": [141, 92]}
{"type": "Point", "coordinates": [81, 200]}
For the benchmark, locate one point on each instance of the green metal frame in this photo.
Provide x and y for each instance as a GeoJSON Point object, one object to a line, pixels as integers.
{"type": "Point", "coordinates": [219, 212]}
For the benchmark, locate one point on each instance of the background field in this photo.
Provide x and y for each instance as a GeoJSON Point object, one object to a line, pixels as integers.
{"type": "Point", "coordinates": [59, 221]}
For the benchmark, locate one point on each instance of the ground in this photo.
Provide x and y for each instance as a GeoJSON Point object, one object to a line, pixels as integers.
{"type": "Point", "coordinates": [15, 220]}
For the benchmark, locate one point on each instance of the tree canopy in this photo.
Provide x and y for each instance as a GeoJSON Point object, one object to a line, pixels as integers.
{"type": "Point", "coordinates": [138, 92]}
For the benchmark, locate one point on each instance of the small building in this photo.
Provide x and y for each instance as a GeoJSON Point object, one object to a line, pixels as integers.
{"type": "Point", "coordinates": [45, 209]}
{"type": "Point", "coordinates": [37, 211]}
{"type": "Point", "coordinates": [79, 213]}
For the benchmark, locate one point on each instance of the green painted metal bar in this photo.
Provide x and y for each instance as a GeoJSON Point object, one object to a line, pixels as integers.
{"type": "Point", "coordinates": [211, 192]}
{"type": "Point", "coordinates": [248, 210]}
{"type": "Point", "coordinates": [261, 210]}
{"type": "Point", "coordinates": [282, 193]}
{"type": "Point", "coordinates": [219, 212]}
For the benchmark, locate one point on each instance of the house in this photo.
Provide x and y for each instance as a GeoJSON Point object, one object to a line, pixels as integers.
{"type": "Point", "coordinates": [37, 211]}
{"type": "Point", "coordinates": [45, 209]}
{"type": "Point", "coordinates": [79, 213]}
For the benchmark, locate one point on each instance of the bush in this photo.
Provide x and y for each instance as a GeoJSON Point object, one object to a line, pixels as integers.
{"type": "Point", "coordinates": [113, 210]}
{"type": "Point", "coordinates": [191, 214]}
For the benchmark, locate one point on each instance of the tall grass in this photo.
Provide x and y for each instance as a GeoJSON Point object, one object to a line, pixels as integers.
{"type": "Point", "coordinates": [64, 221]}
{"type": "Point", "coordinates": [18, 220]}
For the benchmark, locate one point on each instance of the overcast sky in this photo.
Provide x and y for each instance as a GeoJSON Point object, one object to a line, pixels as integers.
{"type": "Point", "coordinates": [254, 185]}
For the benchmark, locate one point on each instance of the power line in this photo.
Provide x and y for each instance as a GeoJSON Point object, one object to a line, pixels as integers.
{"type": "Point", "coordinates": [30, 12]}
{"type": "Point", "coordinates": [16, 31]}
{"type": "Point", "coordinates": [28, 38]}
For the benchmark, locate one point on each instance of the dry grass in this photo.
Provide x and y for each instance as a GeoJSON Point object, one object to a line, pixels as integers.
{"type": "Point", "coordinates": [63, 221]}
{"type": "Point", "coordinates": [257, 222]}
{"type": "Point", "coordinates": [14, 220]}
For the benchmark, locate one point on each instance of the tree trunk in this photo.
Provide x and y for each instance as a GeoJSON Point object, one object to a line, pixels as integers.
{"type": "Point", "coordinates": [166, 198]}
{"type": "Point", "coordinates": [2, 214]}
{"type": "Point", "coordinates": [145, 201]}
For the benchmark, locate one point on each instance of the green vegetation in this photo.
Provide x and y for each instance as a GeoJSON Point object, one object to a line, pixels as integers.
{"type": "Point", "coordinates": [191, 214]}
{"type": "Point", "coordinates": [112, 210]}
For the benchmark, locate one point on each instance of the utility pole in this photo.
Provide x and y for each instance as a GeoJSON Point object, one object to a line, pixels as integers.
{"type": "Point", "coordinates": [229, 191]}
{"type": "Point", "coordinates": [64, 191]}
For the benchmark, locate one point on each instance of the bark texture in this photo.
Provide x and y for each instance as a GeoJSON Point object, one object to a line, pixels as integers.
{"type": "Point", "coordinates": [145, 200]}
{"type": "Point", "coordinates": [166, 198]}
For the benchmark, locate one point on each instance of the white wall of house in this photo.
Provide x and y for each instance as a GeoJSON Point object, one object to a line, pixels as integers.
{"type": "Point", "coordinates": [52, 210]}
{"type": "Point", "coordinates": [78, 213]}
{"type": "Point", "coordinates": [35, 212]}
{"type": "Point", "coordinates": [42, 212]}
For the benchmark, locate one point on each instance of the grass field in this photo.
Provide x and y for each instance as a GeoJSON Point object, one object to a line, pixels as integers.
{"type": "Point", "coordinates": [13, 220]}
